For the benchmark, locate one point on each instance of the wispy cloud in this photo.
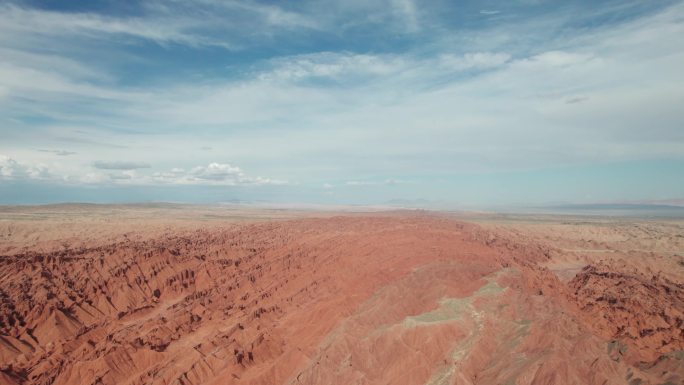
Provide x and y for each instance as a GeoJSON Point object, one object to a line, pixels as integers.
{"type": "Point", "coordinates": [119, 165]}
{"type": "Point", "coordinates": [266, 14]}
{"type": "Point", "coordinates": [59, 152]}
{"type": "Point", "coordinates": [387, 182]}
{"type": "Point", "coordinates": [577, 99]}
{"type": "Point", "coordinates": [31, 23]}
{"type": "Point", "coordinates": [345, 66]}
{"type": "Point", "coordinates": [408, 10]}
{"type": "Point", "coordinates": [359, 89]}
{"type": "Point", "coordinates": [348, 68]}
{"type": "Point", "coordinates": [121, 177]}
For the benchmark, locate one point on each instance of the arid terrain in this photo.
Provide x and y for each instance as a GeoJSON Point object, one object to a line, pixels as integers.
{"type": "Point", "coordinates": [164, 294]}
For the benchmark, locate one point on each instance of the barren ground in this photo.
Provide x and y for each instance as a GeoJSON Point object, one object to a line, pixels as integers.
{"type": "Point", "coordinates": [170, 294]}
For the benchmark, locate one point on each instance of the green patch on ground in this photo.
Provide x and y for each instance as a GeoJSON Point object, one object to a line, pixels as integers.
{"type": "Point", "coordinates": [449, 309]}
{"type": "Point", "coordinates": [490, 288]}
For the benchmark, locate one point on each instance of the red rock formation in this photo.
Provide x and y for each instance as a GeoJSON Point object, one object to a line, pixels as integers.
{"type": "Point", "coordinates": [401, 299]}
{"type": "Point", "coordinates": [622, 303]}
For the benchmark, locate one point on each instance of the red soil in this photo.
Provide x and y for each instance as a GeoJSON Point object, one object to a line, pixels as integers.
{"type": "Point", "coordinates": [376, 299]}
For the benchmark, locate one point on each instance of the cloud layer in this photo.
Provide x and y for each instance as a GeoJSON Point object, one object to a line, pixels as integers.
{"type": "Point", "coordinates": [132, 173]}
{"type": "Point", "coordinates": [334, 96]}
{"type": "Point", "coordinates": [119, 165]}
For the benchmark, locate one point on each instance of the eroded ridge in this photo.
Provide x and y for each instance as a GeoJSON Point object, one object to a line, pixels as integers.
{"type": "Point", "coordinates": [369, 299]}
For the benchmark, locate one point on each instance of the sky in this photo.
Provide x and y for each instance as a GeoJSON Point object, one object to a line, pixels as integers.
{"type": "Point", "coordinates": [458, 104]}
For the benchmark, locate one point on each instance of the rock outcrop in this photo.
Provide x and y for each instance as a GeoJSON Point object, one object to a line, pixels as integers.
{"type": "Point", "coordinates": [368, 299]}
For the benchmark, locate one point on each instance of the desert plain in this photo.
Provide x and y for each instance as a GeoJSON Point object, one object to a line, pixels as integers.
{"type": "Point", "coordinates": [189, 295]}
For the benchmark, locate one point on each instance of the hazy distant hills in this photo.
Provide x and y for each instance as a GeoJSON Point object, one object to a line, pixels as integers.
{"type": "Point", "coordinates": [622, 209]}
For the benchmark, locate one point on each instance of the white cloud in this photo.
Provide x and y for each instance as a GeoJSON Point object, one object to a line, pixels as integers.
{"type": "Point", "coordinates": [10, 169]}
{"type": "Point", "coordinates": [28, 22]}
{"type": "Point", "coordinates": [474, 60]}
{"type": "Point", "coordinates": [408, 10]}
{"type": "Point", "coordinates": [586, 94]}
{"type": "Point", "coordinates": [335, 65]}
{"type": "Point", "coordinates": [217, 172]}
{"type": "Point", "coordinates": [224, 173]}
{"type": "Point", "coordinates": [213, 173]}
{"type": "Point", "coordinates": [349, 67]}
{"type": "Point", "coordinates": [554, 59]}
{"type": "Point", "coordinates": [268, 14]}
{"type": "Point", "coordinates": [129, 173]}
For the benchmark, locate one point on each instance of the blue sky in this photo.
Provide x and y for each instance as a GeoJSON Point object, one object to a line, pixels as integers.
{"type": "Point", "coordinates": [458, 103]}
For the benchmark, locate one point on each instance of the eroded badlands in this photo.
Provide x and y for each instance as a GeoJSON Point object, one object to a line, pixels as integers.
{"type": "Point", "coordinates": [146, 297]}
